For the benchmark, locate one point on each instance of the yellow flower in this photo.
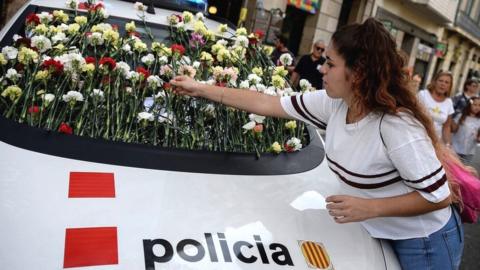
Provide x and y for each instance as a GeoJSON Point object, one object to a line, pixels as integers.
{"type": "Point", "coordinates": [59, 47]}
{"type": "Point", "coordinates": [241, 31]}
{"type": "Point", "coordinates": [130, 27]}
{"type": "Point", "coordinates": [42, 75]}
{"type": "Point", "coordinates": [54, 30]}
{"type": "Point", "coordinates": [26, 56]}
{"type": "Point", "coordinates": [187, 17]}
{"type": "Point", "coordinates": [209, 35]}
{"type": "Point", "coordinates": [267, 50]}
{"type": "Point", "coordinates": [73, 28]}
{"type": "Point", "coordinates": [205, 56]}
{"type": "Point", "coordinates": [88, 68]}
{"type": "Point", "coordinates": [275, 148]}
{"type": "Point", "coordinates": [3, 61]}
{"type": "Point", "coordinates": [111, 36]}
{"type": "Point", "coordinates": [291, 124]}
{"type": "Point", "coordinates": [222, 28]}
{"type": "Point", "coordinates": [60, 15]}
{"type": "Point", "coordinates": [280, 71]}
{"type": "Point", "coordinates": [139, 46]}
{"type": "Point", "coordinates": [199, 27]}
{"type": "Point", "coordinates": [13, 92]}
{"type": "Point", "coordinates": [278, 81]}
{"type": "Point", "coordinates": [223, 55]}
{"type": "Point", "coordinates": [217, 47]}
{"type": "Point", "coordinates": [258, 71]}
{"type": "Point", "coordinates": [81, 20]}
{"type": "Point", "coordinates": [41, 29]}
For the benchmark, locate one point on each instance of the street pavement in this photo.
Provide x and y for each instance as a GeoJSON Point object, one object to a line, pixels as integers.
{"type": "Point", "coordinates": [471, 260]}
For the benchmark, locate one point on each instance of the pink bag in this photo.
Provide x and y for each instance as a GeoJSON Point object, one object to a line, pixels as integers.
{"type": "Point", "coordinates": [469, 186]}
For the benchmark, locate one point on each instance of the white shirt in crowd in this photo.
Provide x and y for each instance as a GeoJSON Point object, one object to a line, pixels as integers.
{"type": "Point", "coordinates": [367, 168]}
{"type": "Point", "coordinates": [465, 139]}
{"type": "Point", "coordinates": [439, 111]}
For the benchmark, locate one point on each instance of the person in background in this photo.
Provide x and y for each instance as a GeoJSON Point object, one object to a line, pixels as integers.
{"type": "Point", "coordinates": [440, 107]}
{"type": "Point", "coordinates": [466, 128]}
{"type": "Point", "coordinates": [460, 101]}
{"type": "Point", "coordinates": [308, 67]}
{"type": "Point", "coordinates": [281, 48]}
{"type": "Point", "coordinates": [380, 143]}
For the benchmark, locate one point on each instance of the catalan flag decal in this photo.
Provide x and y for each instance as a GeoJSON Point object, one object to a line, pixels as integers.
{"type": "Point", "coordinates": [310, 6]}
{"type": "Point", "coordinates": [315, 255]}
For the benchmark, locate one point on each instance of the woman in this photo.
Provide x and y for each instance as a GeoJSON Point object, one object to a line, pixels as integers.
{"type": "Point", "coordinates": [379, 141]}
{"type": "Point", "coordinates": [439, 105]}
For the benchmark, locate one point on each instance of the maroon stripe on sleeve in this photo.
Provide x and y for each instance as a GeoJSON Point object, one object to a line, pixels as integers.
{"type": "Point", "coordinates": [435, 185]}
{"type": "Point", "coordinates": [367, 186]}
{"type": "Point", "coordinates": [297, 108]}
{"type": "Point", "coordinates": [426, 177]}
{"type": "Point", "coordinates": [306, 110]}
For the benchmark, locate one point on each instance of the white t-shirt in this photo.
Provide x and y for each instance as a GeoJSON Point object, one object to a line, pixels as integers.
{"type": "Point", "coordinates": [367, 168]}
{"type": "Point", "coordinates": [465, 139]}
{"type": "Point", "coordinates": [439, 111]}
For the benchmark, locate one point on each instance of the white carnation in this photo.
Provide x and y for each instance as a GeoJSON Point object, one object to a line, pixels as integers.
{"type": "Point", "coordinates": [148, 59]}
{"type": "Point", "coordinates": [73, 96]}
{"type": "Point", "coordinates": [256, 118]}
{"type": "Point", "coordinates": [145, 116]}
{"type": "Point", "coordinates": [10, 52]}
{"type": "Point", "coordinates": [123, 67]}
{"type": "Point", "coordinates": [286, 59]}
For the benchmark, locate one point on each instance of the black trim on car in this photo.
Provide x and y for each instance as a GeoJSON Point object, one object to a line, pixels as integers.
{"type": "Point", "coordinates": [160, 158]}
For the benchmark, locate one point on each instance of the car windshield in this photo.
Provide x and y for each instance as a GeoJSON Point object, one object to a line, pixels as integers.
{"type": "Point", "coordinates": [107, 78]}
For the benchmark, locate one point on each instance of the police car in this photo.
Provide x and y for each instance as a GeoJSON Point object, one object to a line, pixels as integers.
{"type": "Point", "coordinates": [81, 203]}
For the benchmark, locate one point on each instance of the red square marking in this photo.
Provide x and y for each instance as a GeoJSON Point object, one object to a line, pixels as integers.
{"type": "Point", "coordinates": [91, 185]}
{"type": "Point", "coordinates": [90, 247]}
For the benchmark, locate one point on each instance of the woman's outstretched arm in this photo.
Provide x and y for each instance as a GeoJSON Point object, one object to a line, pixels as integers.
{"type": "Point", "coordinates": [246, 100]}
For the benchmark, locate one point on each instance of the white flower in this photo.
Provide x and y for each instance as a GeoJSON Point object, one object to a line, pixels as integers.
{"type": "Point", "coordinates": [250, 125]}
{"type": "Point", "coordinates": [186, 60]}
{"type": "Point", "coordinates": [164, 117]}
{"type": "Point", "coordinates": [256, 118]}
{"type": "Point", "coordinates": [47, 98]}
{"type": "Point", "coordinates": [104, 13]}
{"type": "Point", "coordinates": [16, 37]}
{"type": "Point", "coordinates": [129, 89]}
{"type": "Point", "coordinates": [222, 42]}
{"type": "Point", "coordinates": [123, 67]}
{"type": "Point", "coordinates": [59, 37]}
{"type": "Point", "coordinates": [163, 60]}
{"type": "Point", "coordinates": [45, 17]}
{"type": "Point", "coordinates": [241, 41]}
{"type": "Point", "coordinates": [97, 93]}
{"type": "Point", "coordinates": [12, 74]}
{"type": "Point", "coordinates": [148, 59]}
{"type": "Point", "coordinates": [259, 87]}
{"type": "Point", "coordinates": [73, 96]}
{"type": "Point", "coordinates": [200, 16]}
{"type": "Point", "coordinates": [10, 52]}
{"type": "Point", "coordinates": [154, 81]}
{"type": "Point", "coordinates": [42, 43]}
{"type": "Point", "coordinates": [305, 84]}
{"type": "Point", "coordinates": [127, 48]}
{"type": "Point", "coordinates": [196, 64]}
{"type": "Point", "coordinates": [272, 91]}
{"type": "Point", "coordinates": [244, 84]}
{"type": "Point", "coordinates": [254, 78]}
{"type": "Point", "coordinates": [71, 4]}
{"type": "Point", "coordinates": [209, 109]}
{"type": "Point", "coordinates": [145, 116]}
{"type": "Point", "coordinates": [160, 95]}
{"type": "Point", "coordinates": [72, 62]}
{"type": "Point", "coordinates": [95, 38]}
{"type": "Point", "coordinates": [139, 6]}
{"type": "Point", "coordinates": [286, 59]}
{"type": "Point", "coordinates": [295, 144]}
{"type": "Point", "coordinates": [63, 27]}
{"type": "Point", "coordinates": [133, 75]}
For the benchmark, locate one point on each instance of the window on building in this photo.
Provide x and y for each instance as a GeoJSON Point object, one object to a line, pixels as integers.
{"type": "Point", "coordinates": [466, 6]}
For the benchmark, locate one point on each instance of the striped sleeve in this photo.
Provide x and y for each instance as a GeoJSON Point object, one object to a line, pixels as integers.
{"type": "Point", "coordinates": [414, 157]}
{"type": "Point", "coordinates": [313, 108]}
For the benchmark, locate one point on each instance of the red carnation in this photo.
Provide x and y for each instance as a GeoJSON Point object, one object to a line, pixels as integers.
{"type": "Point", "coordinates": [177, 48]}
{"type": "Point", "coordinates": [143, 72]}
{"type": "Point", "coordinates": [90, 60]}
{"type": "Point", "coordinates": [98, 6]}
{"type": "Point", "coordinates": [167, 86]}
{"type": "Point", "coordinates": [33, 110]}
{"type": "Point", "coordinates": [32, 18]}
{"type": "Point", "coordinates": [53, 65]}
{"type": "Point", "coordinates": [259, 34]}
{"type": "Point", "coordinates": [109, 62]}
{"type": "Point", "coordinates": [65, 128]}
{"type": "Point", "coordinates": [258, 128]}
{"type": "Point", "coordinates": [83, 5]}
{"type": "Point", "coordinates": [288, 148]}
{"type": "Point", "coordinates": [24, 42]}
{"type": "Point", "coordinates": [180, 18]}
{"type": "Point", "coordinates": [134, 33]}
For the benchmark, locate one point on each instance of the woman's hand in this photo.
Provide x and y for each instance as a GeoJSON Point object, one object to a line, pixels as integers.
{"type": "Point", "coordinates": [185, 85]}
{"type": "Point", "coordinates": [345, 208]}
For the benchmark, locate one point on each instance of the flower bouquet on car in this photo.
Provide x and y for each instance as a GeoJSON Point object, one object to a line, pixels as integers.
{"type": "Point", "coordinates": [72, 72]}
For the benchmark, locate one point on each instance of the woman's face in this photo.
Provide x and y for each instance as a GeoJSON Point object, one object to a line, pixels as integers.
{"type": "Point", "coordinates": [442, 85]}
{"type": "Point", "coordinates": [476, 106]}
{"type": "Point", "coordinates": [472, 89]}
{"type": "Point", "coordinates": [337, 78]}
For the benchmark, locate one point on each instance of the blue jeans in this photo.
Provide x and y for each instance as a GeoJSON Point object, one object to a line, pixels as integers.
{"type": "Point", "coordinates": [442, 250]}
